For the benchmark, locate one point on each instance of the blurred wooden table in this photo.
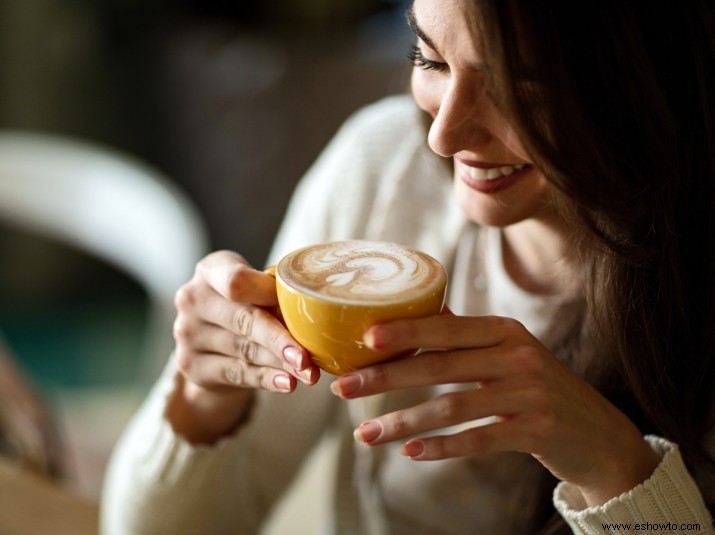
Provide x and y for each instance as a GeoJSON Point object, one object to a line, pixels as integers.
{"type": "Point", "coordinates": [30, 505]}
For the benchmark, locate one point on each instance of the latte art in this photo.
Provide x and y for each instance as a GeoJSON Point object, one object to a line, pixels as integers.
{"type": "Point", "coordinates": [362, 271]}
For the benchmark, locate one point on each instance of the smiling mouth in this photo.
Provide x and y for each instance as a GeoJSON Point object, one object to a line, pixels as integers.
{"type": "Point", "coordinates": [476, 173]}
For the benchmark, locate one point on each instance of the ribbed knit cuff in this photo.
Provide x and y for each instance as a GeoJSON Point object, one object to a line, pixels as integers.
{"type": "Point", "coordinates": [667, 502]}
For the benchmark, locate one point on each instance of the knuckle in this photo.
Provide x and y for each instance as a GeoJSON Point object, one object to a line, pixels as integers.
{"type": "Point", "coordinates": [537, 396]}
{"type": "Point", "coordinates": [510, 326]}
{"type": "Point", "coordinates": [202, 265]}
{"type": "Point", "coordinates": [528, 359]}
{"type": "Point", "coordinates": [182, 330]}
{"type": "Point", "coordinates": [185, 297]}
{"type": "Point", "coordinates": [275, 340]}
{"type": "Point", "coordinates": [450, 408]}
{"type": "Point", "coordinates": [243, 320]}
{"type": "Point", "coordinates": [233, 374]}
{"type": "Point", "coordinates": [400, 423]}
{"type": "Point", "coordinates": [264, 379]}
{"type": "Point", "coordinates": [246, 349]}
{"type": "Point", "coordinates": [184, 361]}
{"type": "Point", "coordinates": [376, 375]}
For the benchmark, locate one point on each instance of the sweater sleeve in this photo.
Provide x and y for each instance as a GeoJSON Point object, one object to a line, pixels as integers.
{"type": "Point", "coordinates": [158, 483]}
{"type": "Point", "coordinates": [668, 502]}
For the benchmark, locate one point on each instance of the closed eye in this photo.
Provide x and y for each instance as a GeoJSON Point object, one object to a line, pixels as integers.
{"type": "Point", "coordinates": [418, 60]}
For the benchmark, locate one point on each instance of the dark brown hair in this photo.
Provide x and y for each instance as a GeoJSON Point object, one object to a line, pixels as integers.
{"type": "Point", "coordinates": [614, 100]}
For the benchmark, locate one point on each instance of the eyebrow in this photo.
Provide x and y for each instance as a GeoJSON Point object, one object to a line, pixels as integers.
{"type": "Point", "coordinates": [412, 23]}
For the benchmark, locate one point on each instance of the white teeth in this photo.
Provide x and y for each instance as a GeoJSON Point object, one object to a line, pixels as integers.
{"type": "Point", "coordinates": [496, 172]}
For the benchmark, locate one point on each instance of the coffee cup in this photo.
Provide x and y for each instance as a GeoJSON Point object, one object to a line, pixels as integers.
{"type": "Point", "coordinates": [329, 294]}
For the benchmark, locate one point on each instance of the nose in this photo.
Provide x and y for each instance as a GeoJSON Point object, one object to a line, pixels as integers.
{"type": "Point", "coordinates": [459, 123]}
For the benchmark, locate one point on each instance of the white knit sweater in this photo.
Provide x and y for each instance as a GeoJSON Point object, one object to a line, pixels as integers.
{"type": "Point", "coordinates": [376, 180]}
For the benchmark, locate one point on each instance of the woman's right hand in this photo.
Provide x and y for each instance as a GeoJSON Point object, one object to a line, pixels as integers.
{"type": "Point", "coordinates": [228, 345]}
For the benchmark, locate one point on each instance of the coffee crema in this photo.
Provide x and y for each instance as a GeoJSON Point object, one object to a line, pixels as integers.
{"type": "Point", "coordinates": [361, 271]}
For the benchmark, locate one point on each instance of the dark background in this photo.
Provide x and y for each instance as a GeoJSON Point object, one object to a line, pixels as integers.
{"type": "Point", "coordinates": [232, 99]}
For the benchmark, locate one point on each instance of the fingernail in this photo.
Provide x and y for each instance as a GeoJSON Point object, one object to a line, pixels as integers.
{"type": "Point", "coordinates": [294, 357]}
{"type": "Point", "coordinates": [413, 449]}
{"type": "Point", "coordinates": [368, 431]}
{"type": "Point", "coordinates": [378, 337]}
{"type": "Point", "coordinates": [346, 385]}
{"type": "Point", "coordinates": [282, 383]}
{"type": "Point", "coordinates": [310, 376]}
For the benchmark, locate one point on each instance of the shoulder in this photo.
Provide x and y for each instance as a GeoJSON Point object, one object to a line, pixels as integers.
{"type": "Point", "coordinates": [371, 150]}
{"type": "Point", "coordinates": [391, 121]}
{"type": "Point", "coordinates": [395, 110]}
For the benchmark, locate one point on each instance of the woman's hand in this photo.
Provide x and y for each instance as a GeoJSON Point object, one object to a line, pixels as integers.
{"type": "Point", "coordinates": [541, 406]}
{"type": "Point", "coordinates": [228, 344]}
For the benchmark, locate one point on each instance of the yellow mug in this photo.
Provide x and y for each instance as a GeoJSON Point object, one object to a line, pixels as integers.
{"type": "Point", "coordinates": [329, 294]}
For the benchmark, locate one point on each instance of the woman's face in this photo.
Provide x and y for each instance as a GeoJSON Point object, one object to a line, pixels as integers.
{"type": "Point", "coordinates": [495, 183]}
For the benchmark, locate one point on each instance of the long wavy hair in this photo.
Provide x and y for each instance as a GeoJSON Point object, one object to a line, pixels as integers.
{"type": "Point", "coordinates": [615, 102]}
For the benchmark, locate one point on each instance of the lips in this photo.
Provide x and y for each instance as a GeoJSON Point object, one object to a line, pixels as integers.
{"type": "Point", "coordinates": [491, 178]}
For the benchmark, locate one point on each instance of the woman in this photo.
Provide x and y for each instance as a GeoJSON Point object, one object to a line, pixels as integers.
{"type": "Point", "coordinates": [582, 146]}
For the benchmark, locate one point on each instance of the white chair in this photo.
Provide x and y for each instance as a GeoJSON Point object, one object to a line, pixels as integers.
{"type": "Point", "coordinates": [112, 206]}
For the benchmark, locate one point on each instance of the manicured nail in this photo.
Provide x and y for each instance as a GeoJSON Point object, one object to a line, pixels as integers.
{"type": "Point", "coordinates": [413, 449]}
{"type": "Point", "coordinates": [294, 357]}
{"type": "Point", "coordinates": [310, 376]}
{"type": "Point", "coordinates": [378, 337]}
{"type": "Point", "coordinates": [368, 431]}
{"type": "Point", "coordinates": [347, 385]}
{"type": "Point", "coordinates": [282, 383]}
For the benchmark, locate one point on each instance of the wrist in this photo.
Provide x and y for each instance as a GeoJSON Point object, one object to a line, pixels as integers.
{"type": "Point", "coordinates": [621, 473]}
{"type": "Point", "coordinates": [203, 416]}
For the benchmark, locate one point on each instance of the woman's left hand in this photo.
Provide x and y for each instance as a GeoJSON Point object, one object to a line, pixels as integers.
{"type": "Point", "coordinates": [541, 406]}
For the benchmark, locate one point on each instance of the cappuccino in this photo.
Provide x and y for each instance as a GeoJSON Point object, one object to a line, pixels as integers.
{"type": "Point", "coordinates": [362, 272]}
{"type": "Point", "coordinates": [329, 294]}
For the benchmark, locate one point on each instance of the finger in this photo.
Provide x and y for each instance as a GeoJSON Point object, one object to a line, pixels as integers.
{"type": "Point", "coordinates": [209, 338]}
{"type": "Point", "coordinates": [443, 331]}
{"type": "Point", "coordinates": [446, 410]}
{"type": "Point", "coordinates": [230, 275]}
{"type": "Point", "coordinates": [242, 319]}
{"type": "Point", "coordinates": [214, 372]}
{"type": "Point", "coordinates": [221, 341]}
{"type": "Point", "coordinates": [506, 435]}
{"type": "Point", "coordinates": [482, 365]}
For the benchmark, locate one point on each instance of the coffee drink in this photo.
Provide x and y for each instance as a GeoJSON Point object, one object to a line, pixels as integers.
{"type": "Point", "coordinates": [362, 271]}
{"type": "Point", "coordinates": [329, 294]}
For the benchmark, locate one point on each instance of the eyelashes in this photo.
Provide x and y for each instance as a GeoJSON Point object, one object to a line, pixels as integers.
{"type": "Point", "coordinates": [414, 54]}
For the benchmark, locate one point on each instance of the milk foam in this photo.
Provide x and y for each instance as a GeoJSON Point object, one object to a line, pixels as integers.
{"type": "Point", "coordinates": [359, 270]}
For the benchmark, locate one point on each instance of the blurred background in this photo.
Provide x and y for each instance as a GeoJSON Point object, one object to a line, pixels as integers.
{"type": "Point", "coordinates": [229, 101]}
